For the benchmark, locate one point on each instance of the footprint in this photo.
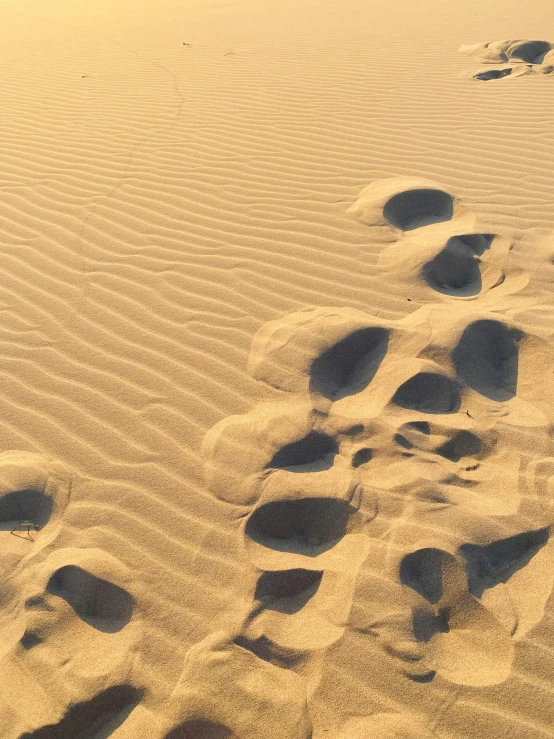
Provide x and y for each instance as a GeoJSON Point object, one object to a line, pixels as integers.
{"type": "Point", "coordinates": [486, 359]}
{"type": "Point", "coordinates": [96, 718]}
{"type": "Point", "coordinates": [407, 203]}
{"type": "Point", "coordinates": [287, 591]}
{"type": "Point", "coordinates": [518, 70]}
{"type": "Point", "coordinates": [493, 74]}
{"type": "Point", "coordinates": [350, 364]}
{"type": "Point", "coordinates": [25, 509]}
{"type": "Point", "coordinates": [500, 362]}
{"type": "Point", "coordinates": [313, 451]}
{"type": "Point", "coordinates": [34, 492]}
{"type": "Point", "coordinates": [326, 352]}
{"type": "Point", "coordinates": [460, 625]}
{"type": "Point", "coordinates": [457, 269]}
{"type": "Point", "coordinates": [523, 56]}
{"type": "Point", "coordinates": [488, 566]}
{"type": "Point", "coordinates": [429, 392]}
{"type": "Point", "coordinates": [531, 52]}
{"type": "Point", "coordinates": [79, 624]}
{"type": "Point", "coordinates": [418, 207]}
{"type": "Point", "coordinates": [308, 526]}
{"type": "Point", "coordinates": [97, 602]}
{"type": "Point", "coordinates": [238, 450]}
{"type": "Point", "coordinates": [78, 592]}
{"type": "Point", "coordinates": [442, 254]}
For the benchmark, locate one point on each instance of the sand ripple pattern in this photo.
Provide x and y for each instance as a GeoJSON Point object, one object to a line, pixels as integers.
{"type": "Point", "coordinates": [171, 180]}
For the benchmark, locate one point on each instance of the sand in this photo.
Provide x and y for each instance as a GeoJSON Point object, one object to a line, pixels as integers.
{"type": "Point", "coordinates": [277, 359]}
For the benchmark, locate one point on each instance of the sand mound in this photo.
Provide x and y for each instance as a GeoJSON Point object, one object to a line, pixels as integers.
{"type": "Point", "coordinates": [522, 56]}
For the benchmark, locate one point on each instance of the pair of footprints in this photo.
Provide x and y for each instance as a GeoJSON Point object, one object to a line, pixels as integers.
{"type": "Point", "coordinates": [514, 57]}
{"type": "Point", "coordinates": [433, 244]}
{"type": "Point", "coordinates": [387, 431]}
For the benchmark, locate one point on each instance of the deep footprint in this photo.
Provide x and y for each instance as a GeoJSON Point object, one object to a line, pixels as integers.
{"type": "Point", "coordinates": [418, 208]}
{"type": "Point", "coordinates": [455, 270]}
{"type": "Point", "coordinates": [99, 603]}
{"type": "Point", "coordinates": [299, 525]}
{"type": "Point", "coordinates": [532, 52]}
{"type": "Point", "coordinates": [428, 392]}
{"type": "Point", "coordinates": [97, 718]}
{"type": "Point", "coordinates": [22, 506]}
{"type": "Point", "coordinates": [422, 571]}
{"type": "Point", "coordinates": [486, 359]}
{"type": "Point", "coordinates": [314, 451]}
{"type": "Point", "coordinates": [34, 492]}
{"type": "Point", "coordinates": [350, 365]}
{"type": "Point", "coordinates": [287, 591]}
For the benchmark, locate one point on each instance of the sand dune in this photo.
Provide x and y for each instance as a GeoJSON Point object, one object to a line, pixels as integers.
{"type": "Point", "coordinates": [277, 331]}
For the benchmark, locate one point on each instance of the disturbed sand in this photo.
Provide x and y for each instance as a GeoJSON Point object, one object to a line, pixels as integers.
{"type": "Point", "coordinates": [277, 354]}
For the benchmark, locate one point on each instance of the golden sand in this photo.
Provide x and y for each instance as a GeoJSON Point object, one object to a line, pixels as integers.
{"type": "Point", "coordinates": [277, 360]}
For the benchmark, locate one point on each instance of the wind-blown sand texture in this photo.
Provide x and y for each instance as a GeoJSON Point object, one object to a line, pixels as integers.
{"type": "Point", "coordinates": [277, 352]}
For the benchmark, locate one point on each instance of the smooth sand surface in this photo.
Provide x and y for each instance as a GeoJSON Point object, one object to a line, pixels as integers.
{"type": "Point", "coordinates": [277, 363]}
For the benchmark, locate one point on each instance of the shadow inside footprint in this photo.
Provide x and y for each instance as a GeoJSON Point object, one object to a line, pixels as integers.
{"type": "Point", "coordinates": [490, 565]}
{"type": "Point", "coordinates": [362, 456]}
{"type": "Point", "coordinates": [417, 208]}
{"type": "Point", "coordinates": [425, 625]}
{"type": "Point", "coordinates": [349, 366]}
{"type": "Point", "coordinates": [24, 505]}
{"type": "Point", "coordinates": [486, 359]}
{"type": "Point", "coordinates": [422, 571]}
{"type": "Point", "coordinates": [455, 270]}
{"type": "Point", "coordinates": [199, 728]}
{"type": "Point", "coordinates": [99, 603]}
{"type": "Point", "coordinates": [460, 630]}
{"type": "Point", "coordinates": [300, 525]}
{"type": "Point", "coordinates": [462, 444]}
{"type": "Point", "coordinates": [429, 392]}
{"type": "Point", "coordinates": [532, 52]}
{"type": "Point", "coordinates": [287, 591]}
{"type": "Point", "coordinates": [97, 718]}
{"type": "Point", "coordinates": [312, 453]}
{"type": "Point", "coordinates": [492, 74]}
